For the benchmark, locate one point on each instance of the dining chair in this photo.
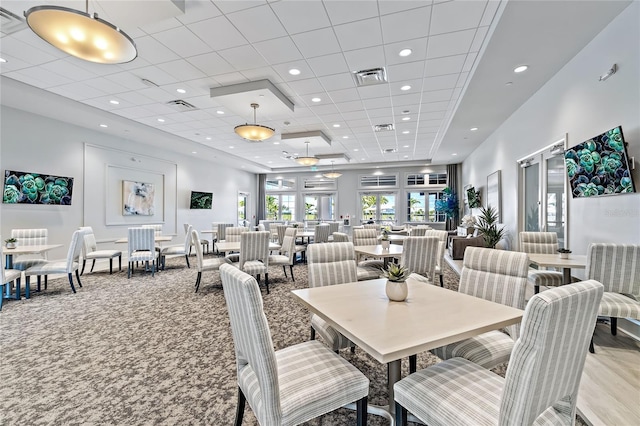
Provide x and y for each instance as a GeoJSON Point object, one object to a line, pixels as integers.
{"type": "Point", "coordinates": [321, 233]}
{"type": "Point", "coordinates": [367, 237]}
{"type": "Point", "coordinates": [617, 267]}
{"type": "Point", "coordinates": [419, 256]}
{"type": "Point", "coordinates": [67, 266]}
{"type": "Point", "coordinates": [31, 237]}
{"type": "Point", "coordinates": [292, 385]}
{"type": "Point", "coordinates": [90, 251]}
{"type": "Point", "coordinates": [280, 230]}
{"type": "Point", "coordinates": [442, 244]}
{"type": "Point", "coordinates": [543, 376]}
{"type": "Point", "coordinates": [333, 227]}
{"type": "Point", "coordinates": [254, 255]}
{"type": "Point", "coordinates": [222, 232]}
{"type": "Point", "coordinates": [204, 242]}
{"type": "Point", "coordinates": [340, 237]}
{"type": "Point", "coordinates": [203, 264]}
{"type": "Point", "coordinates": [232, 234]}
{"type": "Point", "coordinates": [287, 255]}
{"type": "Point", "coordinates": [142, 248]}
{"type": "Point", "coordinates": [331, 264]}
{"type": "Point", "coordinates": [177, 250]}
{"type": "Point", "coordinates": [499, 276]}
{"type": "Point", "coordinates": [419, 232]}
{"type": "Point", "coordinates": [543, 243]}
{"type": "Point", "coordinates": [9, 276]}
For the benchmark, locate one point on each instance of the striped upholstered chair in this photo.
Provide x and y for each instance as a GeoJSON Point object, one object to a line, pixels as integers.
{"type": "Point", "coordinates": [31, 237]}
{"type": "Point", "coordinates": [543, 376]}
{"type": "Point", "coordinates": [321, 233]}
{"type": "Point", "coordinates": [499, 276]}
{"type": "Point", "coordinates": [340, 237]}
{"type": "Point", "coordinates": [287, 253]}
{"type": "Point", "coordinates": [203, 264]}
{"type": "Point", "coordinates": [254, 254]}
{"type": "Point", "coordinates": [442, 244]}
{"type": "Point", "coordinates": [543, 243]}
{"type": "Point", "coordinates": [368, 268]}
{"type": "Point", "coordinates": [232, 234]}
{"type": "Point", "coordinates": [142, 248]}
{"type": "Point", "coordinates": [617, 267]}
{"type": "Point", "coordinates": [292, 385]}
{"type": "Point", "coordinates": [8, 276]}
{"type": "Point", "coordinates": [419, 255]}
{"type": "Point", "coordinates": [177, 250]}
{"type": "Point", "coordinates": [331, 264]}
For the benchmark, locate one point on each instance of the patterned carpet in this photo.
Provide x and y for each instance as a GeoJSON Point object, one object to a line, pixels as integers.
{"type": "Point", "coordinates": [146, 350]}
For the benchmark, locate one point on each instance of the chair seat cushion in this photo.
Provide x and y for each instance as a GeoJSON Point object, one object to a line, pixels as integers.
{"type": "Point", "coordinates": [10, 275]}
{"type": "Point", "coordinates": [334, 339]}
{"type": "Point", "coordinates": [313, 380]}
{"type": "Point", "coordinates": [420, 278]}
{"type": "Point", "coordinates": [368, 273]}
{"type": "Point", "coordinates": [373, 263]}
{"type": "Point", "coordinates": [103, 254]}
{"type": "Point", "coordinates": [619, 306]}
{"type": "Point", "coordinates": [233, 257]}
{"type": "Point", "coordinates": [253, 267]}
{"type": "Point", "coordinates": [487, 350]}
{"type": "Point", "coordinates": [546, 278]}
{"type": "Point", "coordinates": [279, 259]}
{"type": "Point", "coordinates": [214, 264]}
{"type": "Point", "coordinates": [177, 250]}
{"type": "Point", "coordinates": [298, 248]}
{"type": "Point", "coordinates": [142, 255]}
{"type": "Point", "coordinates": [23, 265]}
{"type": "Point", "coordinates": [51, 267]}
{"type": "Point", "coordinates": [452, 392]}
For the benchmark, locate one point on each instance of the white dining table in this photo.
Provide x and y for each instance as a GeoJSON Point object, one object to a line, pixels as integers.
{"type": "Point", "coordinates": [35, 249]}
{"type": "Point", "coordinates": [225, 246]}
{"type": "Point", "coordinates": [394, 251]}
{"type": "Point", "coordinates": [578, 261]}
{"type": "Point", "coordinates": [430, 317]}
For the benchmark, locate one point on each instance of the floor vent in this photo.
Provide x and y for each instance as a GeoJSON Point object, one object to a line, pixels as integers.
{"type": "Point", "coordinates": [181, 105]}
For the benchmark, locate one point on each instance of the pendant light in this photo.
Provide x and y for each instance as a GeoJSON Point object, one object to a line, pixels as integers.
{"type": "Point", "coordinates": [81, 35]}
{"type": "Point", "coordinates": [254, 132]}
{"type": "Point", "coordinates": [332, 174]}
{"type": "Point", "coordinates": [307, 160]}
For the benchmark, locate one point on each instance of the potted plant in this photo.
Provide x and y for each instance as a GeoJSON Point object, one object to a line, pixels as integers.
{"type": "Point", "coordinates": [384, 239]}
{"type": "Point", "coordinates": [396, 287]}
{"type": "Point", "coordinates": [564, 253]}
{"type": "Point", "coordinates": [10, 243]}
{"type": "Point", "coordinates": [487, 225]}
{"type": "Point", "coordinates": [448, 204]}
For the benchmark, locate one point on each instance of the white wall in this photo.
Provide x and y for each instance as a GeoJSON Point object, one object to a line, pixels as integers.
{"type": "Point", "coordinates": [576, 103]}
{"type": "Point", "coordinates": [38, 144]}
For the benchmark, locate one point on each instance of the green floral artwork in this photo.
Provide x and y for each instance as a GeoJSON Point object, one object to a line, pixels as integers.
{"type": "Point", "coordinates": [35, 188]}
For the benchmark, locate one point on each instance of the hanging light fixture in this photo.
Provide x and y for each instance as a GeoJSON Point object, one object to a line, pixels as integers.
{"type": "Point", "coordinates": [254, 132]}
{"type": "Point", "coordinates": [332, 174]}
{"type": "Point", "coordinates": [307, 161]}
{"type": "Point", "coordinates": [81, 35]}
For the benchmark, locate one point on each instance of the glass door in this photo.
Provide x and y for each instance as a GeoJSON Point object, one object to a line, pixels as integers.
{"type": "Point", "coordinates": [243, 201]}
{"type": "Point", "coordinates": [379, 208]}
{"type": "Point", "coordinates": [319, 207]}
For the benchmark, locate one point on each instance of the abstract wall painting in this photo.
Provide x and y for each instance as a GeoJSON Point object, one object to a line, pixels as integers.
{"type": "Point", "coordinates": [137, 198]}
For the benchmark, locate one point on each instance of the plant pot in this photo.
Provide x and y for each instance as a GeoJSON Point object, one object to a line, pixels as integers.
{"type": "Point", "coordinates": [397, 291]}
{"type": "Point", "coordinates": [385, 244]}
{"type": "Point", "coordinates": [10, 245]}
{"type": "Point", "coordinates": [564, 255]}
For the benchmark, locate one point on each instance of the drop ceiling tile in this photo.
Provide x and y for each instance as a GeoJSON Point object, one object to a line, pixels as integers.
{"type": "Point", "coordinates": [344, 95]}
{"type": "Point", "coordinates": [182, 70]}
{"type": "Point", "coordinates": [26, 52]}
{"type": "Point", "coordinates": [161, 110]}
{"type": "Point", "coordinates": [66, 68]}
{"type": "Point", "coordinates": [156, 74]}
{"type": "Point", "coordinates": [349, 115]}
{"type": "Point", "coordinates": [456, 15]}
{"type": "Point", "coordinates": [30, 38]}
{"type": "Point", "coordinates": [337, 82]}
{"type": "Point", "coordinates": [39, 77]}
{"type": "Point", "coordinates": [328, 65]}
{"type": "Point", "coordinates": [377, 91]}
{"type": "Point", "coordinates": [263, 73]}
{"type": "Point", "coordinates": [219, 33]}
{"type": "Point", "coordinates": [350, 107]}
{"type": "Point", "coordinates": [450, 44]}
{"type": "Point", "coordinates": [437, 95]}
{"type": "Point", "coordinates": [324, 109]}
{"type": "Point", "coordinates": [440, 82]}
{"type": "Point", "coordinates": [152, 50]}
{"type": "Point", "coordinates": [363, 59]}
{"type": "Point", "coordinates": [306, 87]}
{"type": "Point", "coordinates": [157, 94]}
{"type": "Point", "coordinates": [403, 101]}
{"type": "Point", "coordinates": [376, 103]}
{"type": "Point", "coordinates": [317, 43]}
{"type": "Point", "coordinates": [406, 25]}
{"type": "Point", "coordinates": [230, 78]}
{"type": "Point", "coordinates": [283, 70]}
{"type": "Point", "coordinates": [434, 106]}
{"type": "Point", "coordinates": [78, 91]}
{"type": "Point", "coordinates": [398, 74]}
{"type": "Point", "coordinates": [301, 16]}
{"type": "Point", "coordinates": [12, 64]}
{"type": "Point", "coordinates": [164, 25]}
{"type": "Point", "coordinates": [210, 63]}
{"type": "Point", "coordinates": [446, 65]}
{"type": "Point", "coordinates": [257, 24]}
{"type": "Point", "coordinates": [105, 85]}
{"type": "Point", "coordinates": [386, 113]}
{"type": "Point", "coordinates": [278, 50]}
{"type": "Point", "coordinates": [182, 41]}
{"type": "Point", "coordinates": [479, 39]}
{"type": "Point", "coordinates": [134, 98]}
{"type": "Point", "coordinates": [341, 12]}
{"type": "Point", "coordinates": [490, 12]}
{"type": "Point", "coordinates": [418, 47]}
{"type": "Point", "coordinates": [196, 11]}
{"type": "Point", "coordinates": [462, 79]}
{"type": "Point", "coordinates": [243, 57]}
{"type": "Point", "coordinates": [135, 112]}
{"type": "Point", "coordinates": [360, 34]}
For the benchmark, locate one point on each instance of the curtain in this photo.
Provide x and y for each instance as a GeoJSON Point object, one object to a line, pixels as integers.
{"type": "Point", "coordinates": [452, 183]}
{"type": "Point", "coordinates": [262, 196]}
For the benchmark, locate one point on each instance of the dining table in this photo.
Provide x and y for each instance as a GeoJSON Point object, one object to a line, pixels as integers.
{"type": "Point", "coordinates": [378, 252]}
{"type": "Point", "coordinates": [430, 317]}
{"type": "Point", "coordinates": [157, 238]}
{"type": "Point", "coordinates": [578, 261]}
{"type": "Point", "coordinates": [35, 249]}
{"type": "Point", "coordinates": [226, 246]}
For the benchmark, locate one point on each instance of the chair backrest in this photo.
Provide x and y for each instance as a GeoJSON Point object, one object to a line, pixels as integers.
{"type": "Point", "coordinates": [186, 227]}
{"type": "Point", "coordinates": [254, 246]}
{"type": "Point", "coordinates": [539, 242]}
{"type": "Point", "coordinates": [365, 237]}
{"type": "Point", "coordinates": [547, 361]}
{"type": "Point", "coordinates": [288, 246]}
{"type": "Point", "coordinates": [261, 227]}
{"type": "Point", "coordinates": [372, 226]}
{"type": "Point", "coordinates": [331, 264]}
{"type": "Point", "coordinates": [419, 232]}
{"type": "Point", "coordinates": [321, 233]}
{"type": "Point", "coordinates": [442, 242]}
{"type": "Point", "coordinates": [141, 239]}
{"type": "Point", "coordinates": [234, 232]}
{"type": "Point", "coordinates": [419, 255]}
{"type": "Point", "coordinates": [340, 237]}
{"type": "Point", "coordinates": [252, 340]}
{"type": "Point", "coordinates": [195, 240]}
{"type": "Point", "coordinates": [31, 237]}
{"type": "Point", "coordinates": [75, 248]}
{"type": "Point", "coordinates": [187, 239]}
{"type": "Point", "coordinates": [157, 229]}
{"type": "Point", "coordinates": [222, 230]}
{"type": "Point", "coordinates": [497, 275]}
{"type": "Point", "coordinates": [281, 229]}
{"type": "Point", "coordinates": [333, 227]}
{"type": "Point", "coordinates": [89, 241]}
{"type": "Point", "coordinates": [616, 266]}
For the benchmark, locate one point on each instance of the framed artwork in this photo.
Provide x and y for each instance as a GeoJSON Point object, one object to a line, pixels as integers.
{"type": "Point", "coordinates": [494, 190]}
{"type": "Point", "coordinates": [36, 188]}
{"type": "Point", "coordinates": [137, 198]}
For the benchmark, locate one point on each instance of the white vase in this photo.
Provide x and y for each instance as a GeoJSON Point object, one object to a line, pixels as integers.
{"type": "Point", "coordinates": [564, 255]}
{"type": "Point", "coordinates": [11, 245]}
{"type": "Point", "coordinates": [397, 290]}
{"type": "Point", "coordinates": [385, 244]}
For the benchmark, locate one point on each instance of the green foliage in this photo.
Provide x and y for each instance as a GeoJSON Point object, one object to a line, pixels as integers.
{"type": "Point", "coordinates": [487, 225]}
{"type": "Point", "coordinates": [448, 204]}
{"type": "Point", "coordinates": [396, 272]}
{"type": "Point", "coordinates": [11, 240]}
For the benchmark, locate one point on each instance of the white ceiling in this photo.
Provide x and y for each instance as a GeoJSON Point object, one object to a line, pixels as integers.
{"type": "Point", "coordinates": [463, 55]}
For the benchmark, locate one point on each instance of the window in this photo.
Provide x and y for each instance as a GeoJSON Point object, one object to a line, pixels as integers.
{"type": "Point", "coordinates": [421, 207]}
{"type": "Point", "coordinates": [280, 184]}
{"type": "Point", "coordinates": [378, 181]}
{"type": "Point", "coordinates": [433, 215]}
{"type": "Point", "coordinates": [319, 183]}
{"type": "Point", "coordinates": [243, 199]}
{"type": "Point", "coordinates": [281, 207]}
{"type": "Point", "coordinates": [422, 179]}
{"type": "Point", "coordinates": [438, 179]}
{"type": "Point", "coordinates": [380, 208]}
{"type": "Point", "coordinates": [319, 207]}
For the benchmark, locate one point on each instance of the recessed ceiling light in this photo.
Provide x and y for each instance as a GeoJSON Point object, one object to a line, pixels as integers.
{"type": "Point", "coordinates": [405, 146]}
{"type": "Point", "coordinates": [294, 71]}
{"type": "Point", "coordinates": [114, 102]}
{"type": "Point", "coordinates": [473, 129]}
{"type": "Point", "coordinates": [521, 68]}
{"type": "Point", "coordinates": [219, 112]}
{"type": "Point", "coordinates": [508, 83]}
{"type": "Point", "coordinates": [406, 118]}
{"type": "Point", "coordinates": [406, 87]}
{"type": "Point", "coordinates": [454, 153]}
{"type": "Point", "coordinates": [194, 152]}
{"type": "Point", "coordinates": [276, 143]}
{"type": "Point", "coordinates": [362, 159]}
{"type": "Point", "coordinates": [355, 149]}
{"type": "Point", "coordinates": [208, 138]}
{"type": "Point", "coordinates": [103, 125]}
{"type": "Point", "coordinates": [269, 162]}
{"type": "Point", "coordinates": [181, 91]}
{"type": "Point", "coordinates": [161, 120]}
{"type": "Point", "coordinates": [405, 52]}
{"type": "Point", "coordinates": [345, 137]}
{"type": "Point", "coordinates": [315, 99]}
{"type": "Point", "coordinates": [406, 132]}
{"type": "Point", "coordinates": [378, 173]}
{"type": "Point", "coordinates": [406, 156]}
{"type": "Point", "coordinates": [336, 125]}
{"type": "Point", "coordinates": [278, 177]}
{"type": "Point", "coordinates": [231, 147]}
{"type": "Point", "coordinates": [3, 60]}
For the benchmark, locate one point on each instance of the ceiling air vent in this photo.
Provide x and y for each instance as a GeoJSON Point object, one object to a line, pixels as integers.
{"type": "Point", "coordinates": [383, 127]}
{"type": "Point", "coordinates": [9, 22]}
{"type": "Point", "coordinates": [389, 150]}
{"type": "Point", "coordinates": [181, 105]}
{"type": "Point", "coordinates": [370, 77]}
